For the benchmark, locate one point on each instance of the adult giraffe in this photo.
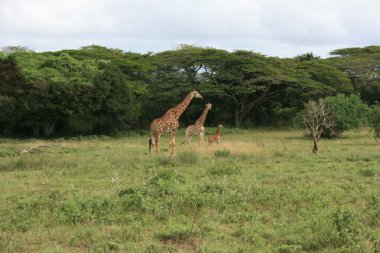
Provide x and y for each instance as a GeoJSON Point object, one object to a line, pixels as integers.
{"type": "Point", "coordinates": [197, 128]}
{"type": "Point", "coordinates": [169, 124]}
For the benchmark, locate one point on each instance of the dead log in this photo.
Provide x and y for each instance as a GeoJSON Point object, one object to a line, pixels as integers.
{"type": "Point", "coordinates": [27, 150]}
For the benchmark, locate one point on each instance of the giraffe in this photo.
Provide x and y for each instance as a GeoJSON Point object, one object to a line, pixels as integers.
{"type": "Point", "coordinates": [197, 128]}
{"type": "Point", "coordinates": [169, 124]}
{"type": "Point", "coordinates": [215, 137]}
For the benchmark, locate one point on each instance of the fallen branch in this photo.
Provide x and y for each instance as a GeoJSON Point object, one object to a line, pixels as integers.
{"type": "Point", "coordinates": [27, 150]}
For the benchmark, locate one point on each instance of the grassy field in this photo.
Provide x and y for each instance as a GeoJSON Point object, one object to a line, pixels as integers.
{"type": "Point", "coordinates": [258, 191]}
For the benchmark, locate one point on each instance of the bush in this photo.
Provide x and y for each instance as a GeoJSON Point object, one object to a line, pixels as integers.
{"type": "Point", "coordinates": [175, 232]}
{"type": "Point", "coordinates": [375, 121]}
{"type": "Point", "coordinates": [349, 111]}
{"type": "Point", "coordinates": [188, 157]}
{"type": "Point", "coordinates": [226, 168]}
{"type": "Point", "coordinates": [222, 153]}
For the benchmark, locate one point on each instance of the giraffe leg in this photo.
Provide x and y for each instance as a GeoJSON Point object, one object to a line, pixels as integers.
{"type": "Point", "coordinates": [187, 137]}
{"type": "Point", "coordinates": [201, 134]}
{"type": "Point", "coordinates": [157, 144]}
{"type": "Point", "coordinates": [171, 151]}
{"type": "Point", "coordinates": [173, 146]}
{"type": "Point", "coordinates": [200, 138]}
{"type": "Point", "coordinates": [170, 146]}
{"type": "Point", "coordinates": [189, 140]}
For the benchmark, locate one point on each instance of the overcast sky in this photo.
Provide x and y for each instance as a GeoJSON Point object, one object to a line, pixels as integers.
{"type": "Point", "coordinates": [283, 28]}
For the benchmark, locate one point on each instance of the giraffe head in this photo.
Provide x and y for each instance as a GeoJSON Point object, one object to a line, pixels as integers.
{"type": "Point", "coordinates": [220, 126]}
{"type": "Point", "coordinates": [208, 106]}
{"type": "Point", "coordinates": [195, 94]}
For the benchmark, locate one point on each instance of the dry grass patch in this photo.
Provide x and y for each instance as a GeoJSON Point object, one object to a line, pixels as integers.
{"type": "Point", "coordinates": [235, 147]}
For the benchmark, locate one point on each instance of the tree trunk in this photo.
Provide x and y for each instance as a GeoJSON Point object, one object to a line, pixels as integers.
{"type": "Point", "coordinates": [36, 131]}
{"type": "Point", "coordinates": [48, 128]}
{"type": "Point", "coordinates": [315, 144]}
{"type": "Point", "coordinates": [236, 117]}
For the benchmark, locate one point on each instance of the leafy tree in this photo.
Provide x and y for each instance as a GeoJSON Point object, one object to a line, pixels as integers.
{"type": "Point", "coordinates": [307, 57]}
{"type": "Point", "coordinates": [349, 112]}
{"type": "Point", "coordinates": [95, 82]}
{"type": "Point", "coordinates": [324, 78]}
{"type": "Point", "coordinates": [118, 107]}
{"type": "Point", "coordinates": [49, 88]}
{"type": "Point", "coordinates": [363, 68]}
{"type": "Point", "coordinates": [121, 87]}
{"type": "Point", "coordinates": [11, 49]}
{"type": "Point", "coordinates": [176, 73]}
{"type": "Point", "coordinates": [249, 81]}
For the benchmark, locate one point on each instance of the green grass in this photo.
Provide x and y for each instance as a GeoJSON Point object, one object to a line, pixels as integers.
{"type": "Point", "coordinates": [257, 191]}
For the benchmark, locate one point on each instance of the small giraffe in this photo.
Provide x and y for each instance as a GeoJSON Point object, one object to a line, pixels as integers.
{"type": "Point", "coordinates": [197, 128]}
{"type": "Point", "coordinates": [215, 137]}
{"type": "Point", "coordinates": [169, 124]}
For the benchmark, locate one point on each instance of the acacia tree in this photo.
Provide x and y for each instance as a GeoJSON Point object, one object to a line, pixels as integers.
{"type": "Point", "coordinates": [120, 88]}
{"type": "Point", "coordinates": [48, 87]}
{"type": "Point", "coordinates": [94, 83]}
{"type": "Point", "coordinates": [176, 72]}
{"type": "Point", "coordinates": [247, 80]}
{"type": "Point", "coordinates": [363, 68]}
{"type": "Point", "coordinates": [317, 117]}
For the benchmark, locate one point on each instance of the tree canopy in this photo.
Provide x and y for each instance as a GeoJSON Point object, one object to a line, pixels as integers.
{"type": "Point", "coordinates": [113, 90]}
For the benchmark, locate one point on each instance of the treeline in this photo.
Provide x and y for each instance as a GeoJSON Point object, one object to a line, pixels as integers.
{"type": "Point", "coordinates": [98, 90]}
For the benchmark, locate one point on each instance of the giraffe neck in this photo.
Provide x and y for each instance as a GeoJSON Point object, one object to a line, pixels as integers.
{"type": "Point", "coordinates": [217, 131]}
{"type": "Point", "coordinates": [202, 118]}
{"type": "Point", "coordinates": [181, 107]}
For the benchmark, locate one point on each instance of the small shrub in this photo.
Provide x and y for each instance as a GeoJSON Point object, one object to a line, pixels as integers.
{"type": "Point", "coordinates": [167, 175]}
{"type": "Point", "coordinates": [165, 182]}
{"type": "Point", "coordinates": [348, 227]}
{"type": "Point", "coordinates": [166, 161]}
{"type": "Point", "coordinates": [369, 172]}
{"type": "Point", "coordinates": [134, 199]}
{"type": "Point", "coordinates": [8, 152]}
{"type": "Point", "coordinates": [225, 169]}
{"type": "Point", "coordinates": [176, 233]}
{"type": "Point", "coordinates": [153, 248]}
{"type": "Point", "coordinates": [222, 153]}
{"type": "Point", "coordinates": [188, 157]}
{"type": "Point", "coordinates": [289, 249]}
{"type": "Point", "coordinates": [111, 246]}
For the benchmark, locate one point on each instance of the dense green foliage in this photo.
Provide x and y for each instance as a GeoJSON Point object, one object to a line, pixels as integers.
{"type": "Point", "coordinates": [259, 191]}
{"type": "Point", "coordinates": [349, 112]}
{"type": "Point", "coordinates": [102, 90]}
{"type": "Point", "coordinates": [41, 89]}
{"type": "Point", "coordinates": [375, 121]}
{"type": "Point", "coordinates": [363, 68]}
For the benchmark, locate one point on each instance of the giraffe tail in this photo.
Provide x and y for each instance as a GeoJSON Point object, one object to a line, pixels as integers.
{"type": "Point", "coordinates": [150, 145]}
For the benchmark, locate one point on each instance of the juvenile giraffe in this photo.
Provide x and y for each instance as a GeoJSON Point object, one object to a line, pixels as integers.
{"type": "Point", "coordinates": [197, 128]}
{"type": "Point", "coordinates": [215, 137]}
{"type": "Point", "coordinates": [169, 124]}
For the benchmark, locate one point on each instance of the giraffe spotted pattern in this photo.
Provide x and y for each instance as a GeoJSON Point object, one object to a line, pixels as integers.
{"type": "Point", "coordinates": [215, 137]}
{"type": "Point", "coordinates": [169, 124]}
{"type": "Point", "coordinates": [197, 129]}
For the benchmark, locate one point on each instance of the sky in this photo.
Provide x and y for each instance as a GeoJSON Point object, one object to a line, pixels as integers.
{"type": "Point", "coordinates": [281, 28]}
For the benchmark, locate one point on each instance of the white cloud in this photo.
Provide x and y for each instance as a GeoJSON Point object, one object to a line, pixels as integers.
{"type": "Point", "coordinates": [272, 27]}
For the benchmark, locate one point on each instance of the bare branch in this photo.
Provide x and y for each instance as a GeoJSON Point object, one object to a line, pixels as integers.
{"type": "Point", "coordinates": [27, 150]}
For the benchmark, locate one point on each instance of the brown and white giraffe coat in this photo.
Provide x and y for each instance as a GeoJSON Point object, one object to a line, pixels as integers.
{"type": "Point", "coordinates": [169, 123]}
{"type": "Point", "coordinates": [215, 137]}
{"type": "Point", "coordinates": [198, 128]}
